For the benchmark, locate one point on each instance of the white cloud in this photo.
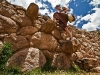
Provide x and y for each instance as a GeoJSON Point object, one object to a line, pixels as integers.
{"type": "Point", "coordinates": [95, 2]}
{"type": "Point", "coordinates": [23, 3]}
{"type": "Point", "coordinates": [44, 11]}
{"type": "Point", "coordinates": [93, 20]}
{"type": "Point", "coordinates": [58, 2]}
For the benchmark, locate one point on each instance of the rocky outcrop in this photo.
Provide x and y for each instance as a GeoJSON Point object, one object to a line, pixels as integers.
{"type": "Point", "coordinates": [96, 69]}
{"type": "Point", "coordinates": [17, 42]}
{"type": "Point", "coordinates": [7, 25]}
{"type": "Point", "coordinates": [28, 30]}
{"type": "Point", "coordinates": [35, 37]}
{"type": "Point", "coordinates": [27, 59]}
{"type": "Point", "coordinates": [62, 61]}
{"type": "Point", "coordinates": [48, 26]}
{"type": "Point", "coordinates": [32, 11]}
{"type": "Point", "coordinates": [44, 41]}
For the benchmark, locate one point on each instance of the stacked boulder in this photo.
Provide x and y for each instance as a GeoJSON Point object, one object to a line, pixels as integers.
{"type": "Point", "coordinates": [35, 37]}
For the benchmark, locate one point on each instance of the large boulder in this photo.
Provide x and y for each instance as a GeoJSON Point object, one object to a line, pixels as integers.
{"type": "Point", "coordinates": [37, 24]}
{"type": "Point", "coordinates": [61, 61]}
{"type": "Point", "coordinates": [17, 42]}
{"type": "Point", "coordinates": [28, 30]}
{"type": "Point", "coordinates": [56, 34]}
{"type": "Point", "coordinates": [96, 69]}
{"type": "Point", "coordinates": [68, 46]}
{"type": "Point", "coordinates": [7, 9]}
{"type": "Point", "coordinates": [43, 41]}
{"type": "Point", "coordinates": [7, 25]}
{"type": "Point", "coordinates": [48, 26]}
{"type": "Point", "coordinates": [2, 36]}
{"type": "Point", "coordinates": [48, 54]}
{"type": "Point", "coordinates": [87, 63]}
{"type": "Point", "coordinates": [27, 59]}
{"type": "Point", "coordinates": [76, 55]}
{"type": "Point", "coordinates": [22, 19]}
{"type": "Point", "coordinates": [32, 11]}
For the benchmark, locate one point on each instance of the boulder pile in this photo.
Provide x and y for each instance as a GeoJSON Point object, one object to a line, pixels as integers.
{"type": "Point", "coordinates": [35, 37]}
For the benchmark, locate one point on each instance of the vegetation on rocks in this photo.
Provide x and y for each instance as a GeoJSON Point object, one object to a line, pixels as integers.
{"type": "Point", "coordinates": [5, 55]}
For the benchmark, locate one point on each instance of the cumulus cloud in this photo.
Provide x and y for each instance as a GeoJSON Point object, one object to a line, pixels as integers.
{"type": "Point", "coordinates": [93, 20]}
{"type": "Point", "coordinates": [58, 2]}
{"type": "Point", "coordinates": [23, 3]}
{"type": "Point", "coordinates": [95, 2]}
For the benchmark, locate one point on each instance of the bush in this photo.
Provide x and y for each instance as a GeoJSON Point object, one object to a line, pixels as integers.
{"type": "Point", "coordinates": [5, 55]}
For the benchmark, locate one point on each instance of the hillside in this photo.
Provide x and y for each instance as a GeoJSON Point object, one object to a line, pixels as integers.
{"type": "Point", "coordinates": [36, 38]}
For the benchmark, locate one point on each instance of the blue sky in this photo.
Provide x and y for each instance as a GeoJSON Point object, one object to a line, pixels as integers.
{"type": "Point", "coordinates": [87, 12]}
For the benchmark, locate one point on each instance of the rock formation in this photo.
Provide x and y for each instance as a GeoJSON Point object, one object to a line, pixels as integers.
{"type": "Point", "coordinates": [35, 37]}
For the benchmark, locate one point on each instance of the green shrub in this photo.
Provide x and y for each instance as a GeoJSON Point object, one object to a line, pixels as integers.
{"type": "Point", "coordinates": [5, 55]}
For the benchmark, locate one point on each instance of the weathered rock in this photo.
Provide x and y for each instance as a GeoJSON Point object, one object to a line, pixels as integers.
{"type": "Point", "coordinates": [32, 11]}
{"type": "Point", "coordinates": [87, 63]}
{"type": "Point", "coordinates": [28, 30]}
{"type": "Point", "coordinates": [7, 9]}
{"type": "Point", "coordinates": [48, 26]}
{"type": "Point", "coordinates": [38, 26]}
{"type": "Point", "coordinates": [68, 47]}
{"type": "Point", "coordinates": [45, 17]}
{"type": "Point", "coordinates": [61, 61]}
{"type": "Point", "coordinates": [41, 20]}
{"type": "Point", "coordinates": [27, 59]}
{"type": "Point", "coordinates": [7, 25]}
{"type": "Point", "coordinates": [64, 35]}
{"type": "Point", "coordinates": [48, 54]}
{"type": "Point", "coordinates": [37, 22]}
{"type": "Point", "coordinates": [43, 41]}
{"type": "Point", "coordinates": [79, 55]}
{"type": "Point", "coordinates": [77, 35]}
{"type": "Point", "coordinates": [17, 42]}
{"type": "Point", "coordinates": [56, 34]}
{"type": "Point", "coordinates": [3, 35]}
{"type": "Point", "coordinates": [74, 57]}
{"type": "Point", "coordinates": [22, 19]}
{"type": "Point", "coordinates": [96, 69]}
{"type": "Point", "coordinates": [97, 53]}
